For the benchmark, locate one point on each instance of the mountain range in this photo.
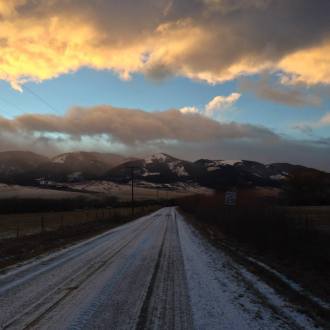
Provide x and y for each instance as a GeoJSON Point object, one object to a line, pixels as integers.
{"type": "Point", "coordinates": [22, 167]}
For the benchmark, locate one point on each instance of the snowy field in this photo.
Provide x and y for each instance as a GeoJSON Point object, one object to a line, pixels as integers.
{"type": "Point", "coordinates": [143, 190]}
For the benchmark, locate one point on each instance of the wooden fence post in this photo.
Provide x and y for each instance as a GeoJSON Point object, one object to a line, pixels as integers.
{"type": "Point", "coordinates": [61, 222]}
{"type": "Point", "coordinates": [17, 230]}
{"type": "Point", "coordinates": [42, 224]}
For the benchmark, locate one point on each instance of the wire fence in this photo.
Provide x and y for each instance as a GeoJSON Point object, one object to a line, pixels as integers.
{"type": "Point", "coordinates": [20, 225]}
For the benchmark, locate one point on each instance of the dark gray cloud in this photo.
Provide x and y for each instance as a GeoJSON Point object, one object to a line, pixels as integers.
{"type": "Point", "coordinates": [130, 126]}
{"type": "Point", "coordinates": [291, 96]}
{"type": "Point", "coordinates": [314, 154]}
{"type": "Point", "coordinates": [138, 132]}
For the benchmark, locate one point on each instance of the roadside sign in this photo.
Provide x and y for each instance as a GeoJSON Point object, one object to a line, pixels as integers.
{"type": "Point", "coordinates": [230, 198]}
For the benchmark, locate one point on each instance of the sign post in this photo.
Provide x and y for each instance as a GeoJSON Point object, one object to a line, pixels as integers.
{"type": "Point", "coordinates": [230, 198]}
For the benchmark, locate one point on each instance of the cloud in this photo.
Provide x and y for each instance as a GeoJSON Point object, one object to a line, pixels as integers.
{"type": "Point", "coordinates": [189, 110]}
{"type": "Point", "coordinates": [221, 103]}
{"type": "Point", "coordinates": [325, 120]}
{"type": "Point", "coordinates": [210, 40]}
{"type": "Point", "coordinates": [128, 131]}
{"type": "Point", "coordinates": [305, 152]}
{"type": "Point", "coordinates": [216, 106]}
{"type": "Point", "coordinates": [309, 66]}
{"type": "Point", "coordinates": [289, 96]}
{"type": "Point", "coordinates": [308, 127]}
{"type": "Point", "coordinates": [131, 127]}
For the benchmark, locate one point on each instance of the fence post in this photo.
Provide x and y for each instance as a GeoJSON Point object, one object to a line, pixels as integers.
{"type": "Point", "coordinates": [306, 225]}
{"type": "Point", "coordinates": [61, 223]}
{"type": "Point", "coordinates": [42, 224]}
{"type": "Point", "coordinates": [17, 230]}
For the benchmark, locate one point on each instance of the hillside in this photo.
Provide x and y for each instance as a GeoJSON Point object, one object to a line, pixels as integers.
{"type": "Point", "coordinates": [163, 168]}
{"type": "Point", "coordinates": [160, 168]}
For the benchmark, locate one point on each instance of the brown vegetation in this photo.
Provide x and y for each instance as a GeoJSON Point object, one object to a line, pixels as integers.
{"type": "Point", "coordinates": [283, 237]}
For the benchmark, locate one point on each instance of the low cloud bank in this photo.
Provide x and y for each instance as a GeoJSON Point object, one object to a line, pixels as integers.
{"type": "Point", "coordinates": [186, 134]}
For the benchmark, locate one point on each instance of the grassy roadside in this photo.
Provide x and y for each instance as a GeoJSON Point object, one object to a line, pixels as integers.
{"type": "Point", "coordinates": [293, 242]}
{"type": "Point", "coordinates": [242, 254]}
{"type": "Point", "coordinates": [13, 250]}
{"type": "Point", "coordinates": [296, 245]}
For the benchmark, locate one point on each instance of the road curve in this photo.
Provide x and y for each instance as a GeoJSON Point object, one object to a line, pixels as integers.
{"type": "Point", "coordinates": [153, 273]}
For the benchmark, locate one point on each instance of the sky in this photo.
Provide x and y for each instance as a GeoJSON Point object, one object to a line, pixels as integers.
{"type": "Point", "coordinates": [222, 79]}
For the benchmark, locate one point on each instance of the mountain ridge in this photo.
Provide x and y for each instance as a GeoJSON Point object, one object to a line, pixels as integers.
{"type": "Point", "coordinates": [27, 167]}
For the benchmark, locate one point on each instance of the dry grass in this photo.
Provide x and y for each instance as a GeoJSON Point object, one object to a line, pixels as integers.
{"type": "Point", "coordinates": [293, 240]}
{"type": "Point", "coordinates": [97, 189]}
{"type": "Point", "coordinates": [13, 250]}
{"type": "Point", "coordinates": [316, 216]}
{"type": "Point", "coordinates": [18, 225]}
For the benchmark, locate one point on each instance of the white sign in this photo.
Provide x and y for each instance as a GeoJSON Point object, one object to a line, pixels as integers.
{"type": "Point", "coordinates": [230, 198]}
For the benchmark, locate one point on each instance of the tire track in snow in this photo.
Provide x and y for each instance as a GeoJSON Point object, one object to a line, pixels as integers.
{"type": "Point", "coordinates": [142, 320]}
{"type": "Point", "coordinates": [66, 290]}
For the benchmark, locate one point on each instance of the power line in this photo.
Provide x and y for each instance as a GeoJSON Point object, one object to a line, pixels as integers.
{"type": "Point", "coordinates": [11, 104]}
{"type": "Point", "coordinates": [36, 95]}
{"type": "Point", "coordinates": [41, 99]}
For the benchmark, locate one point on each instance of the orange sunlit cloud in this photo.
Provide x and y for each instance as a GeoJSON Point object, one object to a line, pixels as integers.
{"type": "Point", "coordinates": [43, 39]}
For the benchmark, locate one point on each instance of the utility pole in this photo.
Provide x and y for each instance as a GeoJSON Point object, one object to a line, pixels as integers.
{"type": "Point", "coordinates": [132, 168]}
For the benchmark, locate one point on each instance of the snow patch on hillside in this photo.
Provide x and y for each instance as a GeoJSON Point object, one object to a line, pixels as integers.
{"type": "Point", "coordinates": [147, 173]}
{"type": "Point", "coordinates": [217, 164]}
{"type": "Point", "coordinates": [60, 159]}
{"type": "Point", "coordinates": [230, 162]}
{"type": "Point", "coordinates": [156, 157]}
{"type": "Point", "coordinates": [278, 177]}
{"type": "Point", "coordinates": [178, 169]}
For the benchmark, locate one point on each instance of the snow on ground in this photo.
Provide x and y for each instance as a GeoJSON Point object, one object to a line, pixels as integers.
{"type": "Point", "coordinates": [178, 169]}
{"type": "Point", "coordinates": [60, 159]}
{"type": "Point", "coordinates": [141, 186]}
{"type": "Point", "coordinates": [147, 173]}
{"type": "Point", "coordinates": [278, 177]}
{"type": "Point", "coordinates": [94, 186]}
{"type": "Point", "coordinates": [154, 273]}
{"type": "Point", "coordinates": [216, 164]}
{"type": "Point", "coordinates": [224, 295]}
{"type": "Point", "coordinates": [158, 157]}
{"type": "Point", "coordinates": [230, 162]}
{"type": "Point", "coordinates": [143, 189]}
{"type": "Point", "coordinates": [293, 285]}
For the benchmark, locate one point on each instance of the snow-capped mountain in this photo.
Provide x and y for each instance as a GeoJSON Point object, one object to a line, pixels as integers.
{"type": "Point", "coordinates": [88, 163]}
{"type": "Point", "coordinates": [160, 168]}
{"type": "Point", "coordinates": [155, 168]}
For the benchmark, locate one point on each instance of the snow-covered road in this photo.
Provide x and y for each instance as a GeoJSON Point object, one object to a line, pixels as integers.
{"type": "Point", "coordinates": [153, 273]}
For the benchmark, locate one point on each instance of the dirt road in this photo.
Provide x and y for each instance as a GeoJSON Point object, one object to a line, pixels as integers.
{"type": "Point", "coordinates": [153, 273]}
